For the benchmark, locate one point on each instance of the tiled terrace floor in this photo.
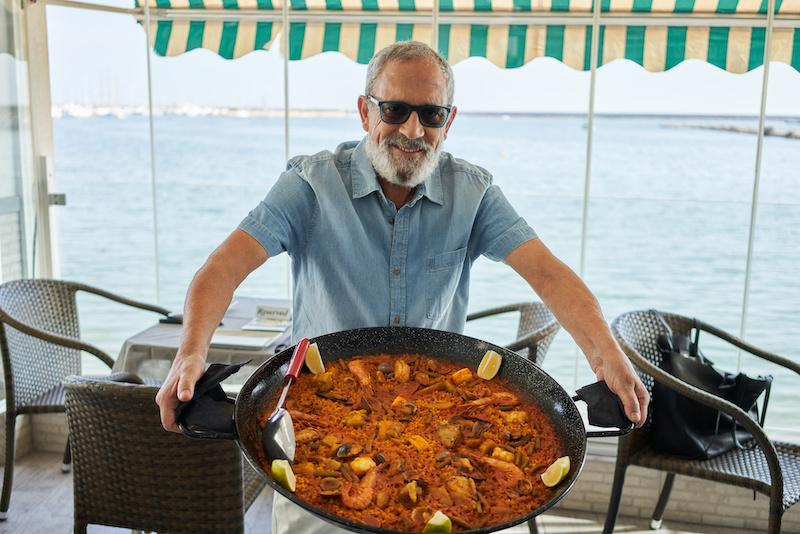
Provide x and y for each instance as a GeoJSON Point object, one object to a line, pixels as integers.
{"type": "Point", "coordinates": [42, 503]}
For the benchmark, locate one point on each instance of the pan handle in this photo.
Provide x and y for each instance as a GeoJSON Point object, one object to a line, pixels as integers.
{"type": "Point", "coordinates": [209, 415]}
{"type": "Point", "coordinates": [605, 410]}
{"type": "Point", "coordinates": [298, 358]}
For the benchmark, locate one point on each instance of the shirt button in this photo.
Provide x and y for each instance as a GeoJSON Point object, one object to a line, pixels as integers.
{"type": "Point", "coordinates": [391, 220]}
{"type": "Point", "coordinates": [396, 319]}
{"type": "Point", "coordinates": [396, 271]}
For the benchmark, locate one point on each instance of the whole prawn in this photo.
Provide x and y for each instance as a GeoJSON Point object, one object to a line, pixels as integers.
{"type": "Point", "coordinates": [496, 399]}
{"type": "Point", "coordinates": [362, 375]}
{"type": "Point", "coordinates": [359, 496]}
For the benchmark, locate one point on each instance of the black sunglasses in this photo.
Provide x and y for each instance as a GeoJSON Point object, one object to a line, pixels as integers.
{"type": "Point", "coordinates": [398, 112]}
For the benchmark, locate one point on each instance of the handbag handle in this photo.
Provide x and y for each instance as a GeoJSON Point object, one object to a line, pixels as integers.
{"type": "Point", "coordinates": [694, 346]}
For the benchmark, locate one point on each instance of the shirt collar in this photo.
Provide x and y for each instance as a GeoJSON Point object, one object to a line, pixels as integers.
{"type": "Point", "coordinates": [365, 181]}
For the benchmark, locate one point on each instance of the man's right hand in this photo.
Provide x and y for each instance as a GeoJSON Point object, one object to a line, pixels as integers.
{"type": "Point", "coordinates": [178, 387]}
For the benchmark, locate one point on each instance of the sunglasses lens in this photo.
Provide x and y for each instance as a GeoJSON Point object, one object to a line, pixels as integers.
{"type": "Point", "coordinates": [395, 112]}
{"type": "Point", "coordinates": [433, 116]}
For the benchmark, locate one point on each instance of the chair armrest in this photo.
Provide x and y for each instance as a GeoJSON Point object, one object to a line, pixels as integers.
{"type": "Point", "coordinates": [747, 347]}
{"type": "Point", "coordinates": [533, 338]}
{"type": "Point", "coordinates": [57, 339]}
{"type": "Point", "coordinates": [496, 311]}
{"type": "Point", "coordinates": [662, 377]}
{"type": "Point", "coordinates": [122, 300]}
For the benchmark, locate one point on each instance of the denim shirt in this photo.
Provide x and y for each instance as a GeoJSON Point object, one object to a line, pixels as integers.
{"type": "Point", "coordinates": [357, 261]}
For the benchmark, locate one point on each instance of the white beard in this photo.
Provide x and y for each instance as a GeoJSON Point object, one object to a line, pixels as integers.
{"type": "Point", "coordinates": [402, 173]}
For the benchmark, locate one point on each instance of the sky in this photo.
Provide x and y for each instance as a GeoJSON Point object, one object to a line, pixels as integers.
{"type": "Point", "coordinates": [100, 59]}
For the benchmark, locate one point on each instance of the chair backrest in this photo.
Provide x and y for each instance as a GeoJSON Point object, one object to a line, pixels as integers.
{"type": "Point", "coordinates": [131, 473]}
{"type": "Point", "coordinates": [639, 330]}
{"type": "Point", "coordinates": [533, 317]}
{"type": "Point", "coordinates": [31, 365]}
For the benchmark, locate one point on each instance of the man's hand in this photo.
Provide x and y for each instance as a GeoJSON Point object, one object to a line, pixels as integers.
{"type": "Point", "coordinates": [618, 373]}
{"type": "Point", "coordinates": [178, 387]}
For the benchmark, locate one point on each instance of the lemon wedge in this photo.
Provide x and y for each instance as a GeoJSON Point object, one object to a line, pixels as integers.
{"type": "Point", "coordinates": [314, 360]}
{"type": "Point", "coordinates": [439, 522]}
{"type": "Point", "coordinates": [283, 475]}
{"type": "Point", "coordinates": [490, 364]}
{"type": "Point", "coordinates": [554, 474]}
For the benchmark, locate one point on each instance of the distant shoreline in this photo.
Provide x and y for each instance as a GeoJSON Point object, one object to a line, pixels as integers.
{"type": "Point", "coordinates": [75, 111]}
{"type": "Point", "coordinates": [769, 131]}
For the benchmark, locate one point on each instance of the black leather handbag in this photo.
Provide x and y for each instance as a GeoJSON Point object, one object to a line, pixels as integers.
{"type": "Point", "coordinates": [688, 428]}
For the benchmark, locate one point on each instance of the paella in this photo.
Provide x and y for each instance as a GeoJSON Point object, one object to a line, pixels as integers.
{"type": "Point", "coordinates": [415, 443]}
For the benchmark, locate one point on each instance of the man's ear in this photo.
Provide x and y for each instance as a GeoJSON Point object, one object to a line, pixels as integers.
{"type": "Point", "coordinates": [363, 112]}
{"type": "Point", "coordinates": [450, 120]}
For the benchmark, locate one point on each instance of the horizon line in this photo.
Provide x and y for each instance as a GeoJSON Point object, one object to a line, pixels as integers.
{"type": "Point", "coordinates": [206, 110]}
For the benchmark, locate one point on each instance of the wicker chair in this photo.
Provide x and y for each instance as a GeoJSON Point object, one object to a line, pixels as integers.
{"type": "Point", "coordinates": [771, 468]}
{"type": "Point", "coordinates": [131, 473]}
{"type": "Point", "coordinates": [40, 346]}
{"type": "Point", "coordinates": [537, 328]}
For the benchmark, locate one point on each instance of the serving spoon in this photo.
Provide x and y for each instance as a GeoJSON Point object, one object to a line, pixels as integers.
{"type": "Point", "coordinates": [277, 437]}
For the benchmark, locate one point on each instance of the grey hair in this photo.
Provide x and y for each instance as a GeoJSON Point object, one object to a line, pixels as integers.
{"type": "Point", "coordinates": [405, 50]}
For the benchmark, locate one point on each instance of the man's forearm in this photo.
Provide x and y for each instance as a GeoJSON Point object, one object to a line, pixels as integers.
{"type": "Point", "coordinates": [567, 297]}
{"type": "Point", "coordinates": [212, 288]}
{"type": "Point", "coordinates": [579, 313]}
{"type": "Point", "coordinates": [208, 298]}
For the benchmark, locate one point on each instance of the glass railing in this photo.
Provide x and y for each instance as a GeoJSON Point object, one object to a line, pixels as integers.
{"type": "Point", "coordinates": [667, 222]}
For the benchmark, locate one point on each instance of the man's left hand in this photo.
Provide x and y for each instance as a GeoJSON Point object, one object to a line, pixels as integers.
{"type": "Point", "coordinates": [618, 373]}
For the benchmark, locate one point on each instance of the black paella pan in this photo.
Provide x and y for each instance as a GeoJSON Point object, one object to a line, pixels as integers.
{"type": "Point", "coordinates": [210, 415]}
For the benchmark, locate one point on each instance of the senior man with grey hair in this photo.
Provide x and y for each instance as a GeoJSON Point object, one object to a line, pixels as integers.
{"type": "Point", "coordinates": [383, 232]}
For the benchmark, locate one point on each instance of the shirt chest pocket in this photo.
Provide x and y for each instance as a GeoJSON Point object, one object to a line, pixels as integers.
{"type": "Point", "coordinates": [442, 276]}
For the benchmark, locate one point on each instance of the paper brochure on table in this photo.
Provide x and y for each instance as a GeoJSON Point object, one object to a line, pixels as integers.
{"type": "Point", "coordinates": [238, 339]}
{"type": "Point", "coordinates": [270, 319]}
{"type": "Point", "coordinates": [249, 340]}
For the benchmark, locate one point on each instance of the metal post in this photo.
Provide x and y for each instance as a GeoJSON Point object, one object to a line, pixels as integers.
{"type": "Point", "coordinates": [435, 23]}
{"type": "Point", "coordinates": [154, 199]}
{"type": "Point", "coordinates": [44, 223]}
{"type": "Point", "coordinates": [757, 177]}
{"type": "Point", "coordinates": [733, 20]}
{"type": "Point", "coordinates": [589, 140]}
{"type": "Point", "coordinates": [285, 44]}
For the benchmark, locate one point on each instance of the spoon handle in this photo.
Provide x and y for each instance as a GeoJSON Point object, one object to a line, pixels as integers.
{"type": "Point", "coordinates": [298, 357]}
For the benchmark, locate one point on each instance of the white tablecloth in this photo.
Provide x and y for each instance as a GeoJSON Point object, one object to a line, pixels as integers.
{"type": "Point", "coordinates": [150, 352]}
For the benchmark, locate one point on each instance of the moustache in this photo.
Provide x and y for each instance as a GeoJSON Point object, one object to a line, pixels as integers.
{"type": "Point", "coordinates": [401, 141]}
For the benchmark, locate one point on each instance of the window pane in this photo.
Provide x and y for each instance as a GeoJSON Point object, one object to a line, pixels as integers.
{"type": "Point", "coordinates": [98, 69]}
{"type": "Point", "coordinates": [16, 165]}
{"type": "Point", "coordinates": [670, 198]}
{"type": "Point", "coordinates": [526, 127]}
{"type": "Point", "coordinates": [320, 120]}
{"type": "Point", "coordinates": [773, 312]}
{"type": "Point", "coordinates": [219, 147]}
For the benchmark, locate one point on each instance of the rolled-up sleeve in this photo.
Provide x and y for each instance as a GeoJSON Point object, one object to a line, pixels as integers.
{"type": "Point", "coordinates": [498, 229]}
{"type": "Point", "coordinates": [283, 221]}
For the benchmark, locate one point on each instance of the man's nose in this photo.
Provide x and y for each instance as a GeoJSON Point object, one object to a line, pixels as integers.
{"type": "Point", "coordinates": [412, 128]}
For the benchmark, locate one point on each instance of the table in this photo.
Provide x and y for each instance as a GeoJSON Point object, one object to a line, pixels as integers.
{"type": "Point", "coordinates": [150, 352]}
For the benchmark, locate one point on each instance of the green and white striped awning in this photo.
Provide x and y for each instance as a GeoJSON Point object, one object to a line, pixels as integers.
{"type": "Point", "coordinates": [656, 34]}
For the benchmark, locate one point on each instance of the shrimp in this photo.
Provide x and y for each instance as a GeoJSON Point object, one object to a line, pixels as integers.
{"type": "Point", "coordinates": [359, 496]}
{"type": "Point", "coordinates": [507, 474]}
{"type": "Point", "coordinates": [304, 417]}
{"type": "Point", "coordinates": [497, 399]}
{"type": "Point", "coordinates": [357, 368]}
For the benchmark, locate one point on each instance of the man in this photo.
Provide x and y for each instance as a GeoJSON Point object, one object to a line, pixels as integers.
{"type": "Point", "coordinates": [384, 232]}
